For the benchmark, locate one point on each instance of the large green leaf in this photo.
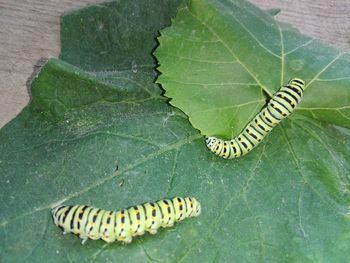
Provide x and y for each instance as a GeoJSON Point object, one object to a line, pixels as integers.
{"type": "Point", "coordinates": [219, 56]}
{"type": "Point", "coordinates": [288, 200]}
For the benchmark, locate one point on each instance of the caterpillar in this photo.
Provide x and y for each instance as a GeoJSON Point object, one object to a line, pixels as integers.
{"type": "Point", "coordinates": [279, 107]}
{"type": "Point", "coordinates": [89, 222]}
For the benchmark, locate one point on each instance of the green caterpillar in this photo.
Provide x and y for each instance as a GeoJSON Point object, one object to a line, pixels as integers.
{"type": "Point", "coordinates": [280, 106]}
{"type": "Point", "coordinates": [89, 222]}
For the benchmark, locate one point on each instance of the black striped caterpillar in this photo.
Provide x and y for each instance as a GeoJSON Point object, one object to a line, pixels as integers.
{"type": "Point", "coordinates": [123, 225]}
{"type": "Point", "coordinates": [280, 106]}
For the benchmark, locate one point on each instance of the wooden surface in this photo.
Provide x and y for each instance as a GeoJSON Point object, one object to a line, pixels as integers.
{"type": "Point", "coordinates": [29, 30]}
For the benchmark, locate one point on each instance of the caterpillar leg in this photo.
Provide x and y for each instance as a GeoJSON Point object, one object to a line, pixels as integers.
{"type": "Point", "coordinates": [127, 240]}
{"type": "Point", "coordinates": [153, 231]}
{"type": "Point", "coordinates": [108, 239]}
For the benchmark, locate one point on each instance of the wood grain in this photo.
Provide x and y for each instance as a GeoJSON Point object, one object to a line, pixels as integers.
{"type": "Point", "coordinates": [326, 20]}
{"type": "Point", "coordinates": [29, 30]}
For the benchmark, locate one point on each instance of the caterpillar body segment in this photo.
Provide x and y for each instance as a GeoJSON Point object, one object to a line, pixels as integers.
{"type": "Point", "coordinates": [93, 223]}
{"type": "Point", "coordinates": [279, 107]}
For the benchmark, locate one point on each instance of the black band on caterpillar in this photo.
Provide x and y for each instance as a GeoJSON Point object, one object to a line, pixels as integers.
{"type": "Point", "coordinates": [93, 223]}
{"type": "Point", "coordinates": [279, 107]}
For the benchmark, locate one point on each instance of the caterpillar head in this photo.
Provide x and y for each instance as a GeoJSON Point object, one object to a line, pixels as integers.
{"type": "Point", "coordinates": [196, 207]}
{"type": "Point", "coordinates": [210, 141]}
{"type": "Point", "coordinates": [54, 212]}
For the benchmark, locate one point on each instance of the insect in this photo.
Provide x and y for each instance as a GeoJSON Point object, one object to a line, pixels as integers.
{"type": "Point", "coordinates": [279, 107]}
{"type": "Point", "coordinates": [89, 222]}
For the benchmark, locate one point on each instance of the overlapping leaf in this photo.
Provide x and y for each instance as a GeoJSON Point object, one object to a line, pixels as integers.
{"type": "Point", "coordinates": [219, 57]}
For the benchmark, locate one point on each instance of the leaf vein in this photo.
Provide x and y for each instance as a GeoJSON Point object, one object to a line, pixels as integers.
{"type": "Point", "coordinates": [108, 178]}
{"type": "Point", "coordinates": [232, 53]}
